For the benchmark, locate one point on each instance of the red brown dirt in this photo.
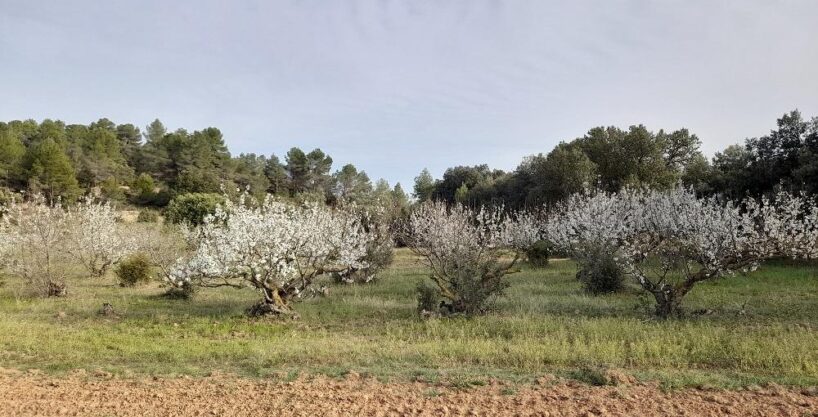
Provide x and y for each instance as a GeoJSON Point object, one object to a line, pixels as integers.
{"type": "Point", "coordinates": [100, 394]}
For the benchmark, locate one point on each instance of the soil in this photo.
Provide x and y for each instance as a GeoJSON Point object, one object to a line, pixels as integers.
{"type": "Point", "coordinates": [102, 394]}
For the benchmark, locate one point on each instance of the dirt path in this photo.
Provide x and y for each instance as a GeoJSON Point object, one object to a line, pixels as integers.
{"type": "Point", "coordinates": [27, 394]}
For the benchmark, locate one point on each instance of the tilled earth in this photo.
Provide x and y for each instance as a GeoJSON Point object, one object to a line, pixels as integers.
{"type": "Point", "coordinates": [100, 394]}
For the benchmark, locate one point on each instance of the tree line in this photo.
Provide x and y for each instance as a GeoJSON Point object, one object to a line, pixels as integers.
{"type": "Point", "coordinates": [610, 159]}
{"type": "Point", "coordinates": [149, 167]}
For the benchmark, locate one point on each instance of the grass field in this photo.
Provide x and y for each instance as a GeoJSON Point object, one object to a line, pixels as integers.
{"type": "Point", "coordinates": [763, 327]}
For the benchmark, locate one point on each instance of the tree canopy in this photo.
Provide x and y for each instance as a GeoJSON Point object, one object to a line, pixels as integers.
{"type": "Point", "coordinates": [150, 166]}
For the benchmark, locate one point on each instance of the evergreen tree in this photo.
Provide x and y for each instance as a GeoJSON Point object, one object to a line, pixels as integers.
{"type": "Point", "coordinates": [248, 173]}
{"type": "Point", "coordinates": [351, 185]}
{"type": "Point", "coordinates": [11, 156]}
{"type": "Point", "coordinates": [309, 173]}
{"type": "Point", "coordinates": [155, 131]}
{"type": "Point", "coordinates": [50, 171]}
{"type": "Point", "coordinates": [102, 159]}
{"type": "Point", "coordinates": [130, 141]}
{"type": "Point", "coordinates": [277, 176]}
{"type": "Point", "coordinates": [382, 194]}
{"type": "Point", "coordinates": [399, 197]}
{"type": "Point", "coordinates": [424, 186]}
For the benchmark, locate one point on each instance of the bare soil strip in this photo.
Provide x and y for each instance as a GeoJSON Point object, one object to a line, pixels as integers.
{"type": "Point", "coordinates": [100, 394]}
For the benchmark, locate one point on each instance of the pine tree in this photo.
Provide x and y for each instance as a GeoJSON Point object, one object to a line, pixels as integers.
{"type": "Point", "coordinates": [50, 171]}
{"type": "Point", "coordinates": [424, 186]}
{"type": "Point", "coordinates": [11, 156]}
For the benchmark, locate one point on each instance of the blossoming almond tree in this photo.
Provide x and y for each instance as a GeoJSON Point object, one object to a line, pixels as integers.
{"type": "Point", "coordinates": [275, 247]}
{"type": "Point", "coordinates": [95, 239]}
{"type": "Point", "coordinates": [33, 234]}
{"type": "Point", "coordinates": [469, 252]}
{"type": "Point", "coordinates": [671, 240]}
{"type": "Point", "coordinates": [379, 249]}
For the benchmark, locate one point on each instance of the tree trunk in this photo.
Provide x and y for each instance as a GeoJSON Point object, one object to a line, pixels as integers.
{"type": "Point", "coordinates": [55, 289]}
{"type": "Point", "coordinates": [669, 301]}
{"type": "Point", "coordinates": [275, 303]}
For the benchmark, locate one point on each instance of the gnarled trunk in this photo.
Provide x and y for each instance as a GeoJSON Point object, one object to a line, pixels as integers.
{"type": "Point", "coordinates": [669, 300]}
{"type": "Point", "coordinates": [55, 289]}
{"type": "Point", "coordinates": [275, 303]}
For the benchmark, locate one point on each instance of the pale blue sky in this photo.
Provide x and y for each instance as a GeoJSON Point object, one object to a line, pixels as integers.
{"type": "Point", "coordinates": [395, 86]}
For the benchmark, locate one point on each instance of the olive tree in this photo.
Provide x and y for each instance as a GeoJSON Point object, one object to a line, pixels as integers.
{"type": "Point", "coordinates": [469, 251]}
{"type": "Point", "coordinates": [671, 240]}
{"type": "Point", "coordinates": [275, 247]}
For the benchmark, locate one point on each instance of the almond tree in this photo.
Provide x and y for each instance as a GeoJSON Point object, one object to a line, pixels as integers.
{"type": "Point", "coordinates": [94, 238]}
{"type": "Point", "coordinates": [671, 240]}
{"type": "Point", "coordinates": [275, 247]}
{"type": "Point", "coordinates": [379, 250]}
{"type": "Point", "coordinates": [33, 235]}
{"type": "Point", "coordinates": [469, 252]}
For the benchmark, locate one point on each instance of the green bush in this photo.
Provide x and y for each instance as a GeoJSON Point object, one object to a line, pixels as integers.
{"type": "Point", "coordinates": [476, 286]}
{"type": "Point", "coordinates": [599, 273]}
{"type": "Point", "coordinates": [183, 292]}
{"type": "Point", "coordinates": [112, 190]}
{"type": "Point", "coordinates": [145, 192]}
{"type": "Point", "coordinates": [428, 299]}
{"type": "Point", "coordinates": [147, 216]}
{"type": "Point", "coordinates": [134, 270]}
{"type": "Point", "coordinates": [592, 376]}
{"type": "Point", "coordinates": [538, 254]}
{"type": "Point", "coordinates": [192, 208]}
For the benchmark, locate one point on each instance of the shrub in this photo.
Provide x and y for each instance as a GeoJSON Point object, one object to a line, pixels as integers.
{"type": "Point", "coordinates": [192, 208]}
{"type": "Point", "coordinates": [110, 189]}
{"type": "Point", "coordinates": [144, 192]}
{"type": "Point", "coordinates": [147, 216]}
{"type": "Point", "coordinates": [592, 376]}
{"type": "Point", "coordinates": [599, 272]}
{"type": "Point", "coordinates": [537, 254]}
{"type": "Point", "coordinates": [466, 251]}
{"type": "Point", "coordinates": [428, 299]}
{"type": "Point", "coordinates": [184, 291]}
{"type": "Point", "coordinates": [133, 270]}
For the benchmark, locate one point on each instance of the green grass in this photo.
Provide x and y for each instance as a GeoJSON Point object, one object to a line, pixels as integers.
{"type": "Point", "coordinates": [764, 328]}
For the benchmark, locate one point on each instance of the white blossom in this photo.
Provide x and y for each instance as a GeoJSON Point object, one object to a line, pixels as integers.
{"type": "Point", "coordinates": [32, 238]}
{"type": "Point", "coordinates": [464, 247]}
{"type": "Point", "coordinates": [697, 238]}
{"type": "Point", "coordinates": [276, 247]}
{"type": "Point", "coordinates": [95, 238]}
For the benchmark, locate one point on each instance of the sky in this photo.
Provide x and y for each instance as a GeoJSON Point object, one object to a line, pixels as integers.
{"type": "Point", "coordinates": [396, 86]}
